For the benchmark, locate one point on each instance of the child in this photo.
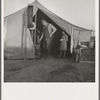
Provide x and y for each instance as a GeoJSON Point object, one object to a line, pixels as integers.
{"type": "Point", "coordinates": [63, 44]}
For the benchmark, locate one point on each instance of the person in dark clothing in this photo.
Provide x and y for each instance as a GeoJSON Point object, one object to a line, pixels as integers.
{"type": "Point", "coordinates": [46, 37]}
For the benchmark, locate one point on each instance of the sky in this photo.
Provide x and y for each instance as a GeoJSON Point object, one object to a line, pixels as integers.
{"type": "Point", "coordinates": [77, 12]}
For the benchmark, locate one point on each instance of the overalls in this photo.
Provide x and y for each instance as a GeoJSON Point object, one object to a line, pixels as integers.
{"type": "Point", "coordinates": [46, 41]}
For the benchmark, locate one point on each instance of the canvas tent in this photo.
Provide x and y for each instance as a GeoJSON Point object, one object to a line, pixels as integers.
{"type": "Point", "coordinates": [18, 40]}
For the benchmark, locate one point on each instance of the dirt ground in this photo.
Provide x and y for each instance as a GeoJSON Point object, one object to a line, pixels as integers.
{"type": "Point", "coordinates": [51, 69]}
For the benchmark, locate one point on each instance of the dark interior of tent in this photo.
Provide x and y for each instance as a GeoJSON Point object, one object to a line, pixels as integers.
{"type": "Point", "coordinates": [57, 35]}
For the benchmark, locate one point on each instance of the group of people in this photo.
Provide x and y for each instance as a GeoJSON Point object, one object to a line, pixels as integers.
{"type": "Point", "coordinates": [46, 39]}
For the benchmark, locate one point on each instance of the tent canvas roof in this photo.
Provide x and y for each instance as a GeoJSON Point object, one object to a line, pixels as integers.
{"type": "Point", "coordinates": [61, 22]}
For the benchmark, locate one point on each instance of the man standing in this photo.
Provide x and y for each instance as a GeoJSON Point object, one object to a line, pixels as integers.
{"type": "Point", "coordinates": [48, 31]}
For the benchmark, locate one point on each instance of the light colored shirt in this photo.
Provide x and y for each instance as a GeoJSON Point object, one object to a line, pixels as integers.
{"type": "Point", "coordinates": [51, 29]}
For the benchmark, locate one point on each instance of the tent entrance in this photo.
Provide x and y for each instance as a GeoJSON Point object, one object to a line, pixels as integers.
{"type": "Point", "coordinates": [56, 37]}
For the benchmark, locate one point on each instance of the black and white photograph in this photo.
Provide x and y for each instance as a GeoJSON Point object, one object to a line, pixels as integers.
{"type": "Point", "coordinates": [49, 41]}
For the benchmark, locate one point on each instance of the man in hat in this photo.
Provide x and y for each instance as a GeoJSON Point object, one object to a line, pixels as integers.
{"type": "Point", "coordinates": [48, 31]}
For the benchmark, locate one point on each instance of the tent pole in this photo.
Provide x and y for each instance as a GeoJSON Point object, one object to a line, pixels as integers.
{"type": "Point", "coordinates": [35, 30]}
{"type": "Point", "coordinates": [25, 37]}
{"type": "Point", "coordinates": [25, 46]}
{"type": "Point", "coordinates": [22, 34]}
{"type": "Point", "coordinates": [79, 42]}
{"type": "Point", "coordinates": [71, 42]}
{"type": "Point", "coordinates": [22, 30]}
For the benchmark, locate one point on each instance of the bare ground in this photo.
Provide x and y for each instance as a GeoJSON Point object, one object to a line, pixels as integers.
{"type": "Point", "coordinates": [48, 70]}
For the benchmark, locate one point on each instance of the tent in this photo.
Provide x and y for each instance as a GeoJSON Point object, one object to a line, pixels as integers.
{"type": "Point", "coordinates": [19, 43]}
